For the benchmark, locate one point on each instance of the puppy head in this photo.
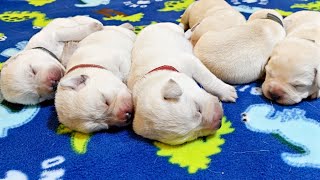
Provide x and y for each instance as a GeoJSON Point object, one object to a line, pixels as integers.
{"type": "Point", "coordinates": [174, 109]}
{"type": "Point", "coordinates": [266, 14]}
{"type": "Point", "coordinates": [30, 77]}
{"type": "Point", "coordinates": [292, 72]}
{"type": "Point", "coordinates": [91, 99]}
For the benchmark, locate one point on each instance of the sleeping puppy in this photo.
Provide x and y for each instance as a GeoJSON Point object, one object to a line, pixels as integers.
{"type": "Point", "coordinates": [293, 71]}
{"type": "Point", "coordinates": [238, 55]}
{"type": "Point", "coordinates": [198, 10]}
{"type": "Point", "coordinates": [93, 96]}
{"type": "Point", "coordinates": [211, 15]}
{"type": "Point", "coordinates": [31, 76]}
{"type": "Point", "coordinates": [169, 105]}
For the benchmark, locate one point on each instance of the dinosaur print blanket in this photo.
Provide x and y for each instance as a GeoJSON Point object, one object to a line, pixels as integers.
{"type": "Point", "coordinates": [258, 139]}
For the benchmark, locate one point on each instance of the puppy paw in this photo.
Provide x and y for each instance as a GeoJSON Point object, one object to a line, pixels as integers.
{"type": "Point", "coordinates": [228, 94]}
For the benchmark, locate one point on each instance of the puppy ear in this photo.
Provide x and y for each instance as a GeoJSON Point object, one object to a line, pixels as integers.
{"type": "Point", "coordinates": [127, 26]}
{"type": "Point", "coordinates": [171, 90]}
{"type": "Point", "coordinates": [75, 83]}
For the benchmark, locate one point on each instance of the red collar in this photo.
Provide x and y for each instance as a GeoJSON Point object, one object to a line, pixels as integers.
{"type": "Point", "coordinates": [164, 67]}
{"type": "Point", "coordinates": [85, 66]}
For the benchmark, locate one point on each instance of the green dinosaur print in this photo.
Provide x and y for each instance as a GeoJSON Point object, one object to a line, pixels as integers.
{"type": "Point", "coordinates": [39, 19]}
{"type": "Point", "coordinates": [176, 5]}
{"type": "Point", "coordinates": [79, 141]}
{"type": "Point", "coordinates": [137, 29]}
{"type": "Point", "coordinates": [195, 155]}
{"type": "Point", "coordinates": [283, 13]}
{"type": "Point", "coordinates": [40, 2]}
{"type": "Point", "coordinates": [130, 18]}
{"type": "Point", "coordinates": [314, 6]}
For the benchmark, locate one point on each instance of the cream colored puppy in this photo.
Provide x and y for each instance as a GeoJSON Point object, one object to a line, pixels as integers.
{"type": "Point", "coordinates": [293, 71]}
{"type": "Point", "coordinates": [238, 55]}
{"type": "Point", "coordinates": [210, 15]}
{"type": "Point", "coordinates": [93, 95]}
{"type": "Point", "coordinates": [198, 10]}
{"type": "Point", "coordinates": [169, 105]}
{"type": "Point", "coordinates": [31, 76]}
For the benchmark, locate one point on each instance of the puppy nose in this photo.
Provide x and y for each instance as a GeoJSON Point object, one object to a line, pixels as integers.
{"type": "Point", "coordinates": [128, 117]}
{"type": "Point", "coordinates": [274, 96]}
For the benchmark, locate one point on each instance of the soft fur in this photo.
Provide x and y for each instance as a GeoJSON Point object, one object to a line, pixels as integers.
{"type": "Point", "coordinates": [31, 76]}
{"type": "Point", "coordinates": [169, 106]}
{"type": "Point", "coordinates": [90, 99]}
{"type": "Point", "coordinates": [209, 15]}
{"type": "Point", "coordinates": [238, 55]}
{"type": "Point", "coordinates": [293, 71]}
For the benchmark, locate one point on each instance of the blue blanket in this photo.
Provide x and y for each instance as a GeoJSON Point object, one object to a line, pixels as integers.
{"type": "Point", "coordinates": [279, 142]}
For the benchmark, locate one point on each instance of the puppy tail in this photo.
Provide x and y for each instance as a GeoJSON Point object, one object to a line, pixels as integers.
{"type": "Point", "coordinates": [184, 21]}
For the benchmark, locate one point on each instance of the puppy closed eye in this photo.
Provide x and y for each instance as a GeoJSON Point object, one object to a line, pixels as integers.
{"type": "Point", "coordinates": [106, 100]}
{"type": "Point", "coordinates": [198, 108]}
{"type": "Point", "coordinates": [297, 86]}
{"type": "Point", "coordinates": [33, 71]}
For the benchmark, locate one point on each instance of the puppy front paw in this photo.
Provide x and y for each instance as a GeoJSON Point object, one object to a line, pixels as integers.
{"type": "Point", "coordinates": [228, 94]}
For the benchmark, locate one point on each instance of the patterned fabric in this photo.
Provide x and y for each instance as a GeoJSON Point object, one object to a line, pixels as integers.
{"type": "Point", "coordinates": [279, 142]}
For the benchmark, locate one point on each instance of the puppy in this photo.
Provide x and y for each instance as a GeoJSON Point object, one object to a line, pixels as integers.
{"type": "Point", "coordinates": [238, 55]}
{"type": "Point", "coordinates": [169, 105]}
{"type": "Point", "coordinates": [198, 10]}
{"type": "Point", "coordinates": [293, 71]}
{"type": "Point", "coordinates": [31, 76]}
{"type": "Point", "coordinates": [209, 15]}
{"type": "Point", "coordinates": [93, 95]}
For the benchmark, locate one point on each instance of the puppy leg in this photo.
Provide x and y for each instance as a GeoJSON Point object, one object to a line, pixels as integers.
{"type": "Point", "coordinates": [184, 22]}
{"type": "Point", "coordinates": [77, 28]}
{"type": "Point", "coordinates": [212, 84]}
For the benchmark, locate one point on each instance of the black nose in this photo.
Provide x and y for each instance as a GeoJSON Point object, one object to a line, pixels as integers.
{"type": "Point", "coordinates": [128, 117]}
{"type": "Point", "coordinates": [274, 96]}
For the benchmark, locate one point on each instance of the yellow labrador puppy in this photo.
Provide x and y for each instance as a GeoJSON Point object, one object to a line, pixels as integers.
{"type": "Point", "coordinates": [293, 71]}
{"type": "Point", "coordinates": [93, 95]}
{"type": "Point", "coordinates": [169, 105]}
{"type": "Point", "coordinates": [209, 15]}
{"type": "Point", "coordinates": [31, 76]}
{"type": "Point", "coordinates": [238, 55]}
{"type": "Point", "coordinates": [198, 10]}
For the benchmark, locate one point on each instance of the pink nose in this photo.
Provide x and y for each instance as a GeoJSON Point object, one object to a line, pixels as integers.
{"type": "Point", "coordinates": [54, 75]}
{"type": "Point", "coordinates": [53, 78]}
{"type": "Point", "coordinates": [218, 114]}
{"type": "Point", "coordinates": [126, 115]}
{"type": "Point", "coordinates": [275, 92]}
